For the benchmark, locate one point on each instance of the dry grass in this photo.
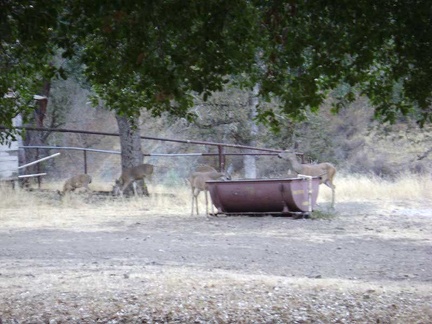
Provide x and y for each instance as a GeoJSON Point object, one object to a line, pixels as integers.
{"type": "Point", "coordinates": [361, 188]}
{"type": "Point", "coordinates": [118, 291]}
{"type": "Point", "coordinates": [47, 209]}
{"type": "Point", "coordinates": [349, 187]}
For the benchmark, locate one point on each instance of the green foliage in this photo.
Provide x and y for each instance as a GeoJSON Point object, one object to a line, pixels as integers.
{"type": "Point", "coordinates": [319, 214]}
{"type": "Point", "coordinates": [372, 45]}
{"type": "Point", "coordinates": [26, 30]}
{"type": "Point", "coordinates": [156, 55]}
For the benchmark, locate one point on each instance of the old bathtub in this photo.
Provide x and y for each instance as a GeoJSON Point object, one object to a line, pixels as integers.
{"type": "Point", "coordinates": [286, 196]}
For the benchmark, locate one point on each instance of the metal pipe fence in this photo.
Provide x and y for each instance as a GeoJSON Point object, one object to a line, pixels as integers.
{"type": "Point", "coordinates": [221, 154]}
{"type": "Point", "coordinates": [85, 150]}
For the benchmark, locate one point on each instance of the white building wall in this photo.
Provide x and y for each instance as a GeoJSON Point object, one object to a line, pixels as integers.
{"type": "Point", "coordinates": [9, 160]}
{"type": "Point", "coordinates": [9, 155]}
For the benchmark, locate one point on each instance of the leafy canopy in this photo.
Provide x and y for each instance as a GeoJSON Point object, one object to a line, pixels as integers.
{"type": "Point", "coordinates": [157, 54]}
{"type": "Point", "coordinates": [26, 29]}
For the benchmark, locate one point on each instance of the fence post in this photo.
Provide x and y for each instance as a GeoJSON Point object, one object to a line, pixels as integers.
{"type": "Point", "coordinates": [38, 169]}
{"type": "Point", "coordinates": [221, 158]}
{"type": "Point", "coordinates": [85, 161]}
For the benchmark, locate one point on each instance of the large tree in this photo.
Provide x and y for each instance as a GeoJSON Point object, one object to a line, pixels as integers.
{"type": "Point", "coordinates": [155, 54]}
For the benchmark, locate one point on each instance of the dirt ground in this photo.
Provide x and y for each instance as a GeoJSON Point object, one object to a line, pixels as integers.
{"type": "Point", "coordinates": [366, 263]}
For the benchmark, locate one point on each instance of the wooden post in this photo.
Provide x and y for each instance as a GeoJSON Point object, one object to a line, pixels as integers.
{"type": "Point", "coordinates": [38, 169]}
{"type": "Point", "coordinates": [85, 161]}
{"type": "Point", "coordinates": [221, 159]}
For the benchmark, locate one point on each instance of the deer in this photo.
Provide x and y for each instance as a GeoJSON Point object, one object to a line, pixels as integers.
{"type": "Point", "coordinates": [198, 180]}
{"type": "Point", "coordinates": [130, 175]}
{"type": "Point", "coordinates": [78, 181]}
{"type": "Point", "coordinates": [326, 171]}
{"type": "Point", "coordinates": [201, 168]}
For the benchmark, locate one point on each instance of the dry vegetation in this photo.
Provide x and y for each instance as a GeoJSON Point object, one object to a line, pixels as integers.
{"type": "Point", "coordinates": [38, 284]}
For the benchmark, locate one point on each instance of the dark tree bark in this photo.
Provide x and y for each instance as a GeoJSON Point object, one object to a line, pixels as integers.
{"type": "Point", "coordinates": [131, 153]}
{"type": "Point", "coordinates": [37, 138]}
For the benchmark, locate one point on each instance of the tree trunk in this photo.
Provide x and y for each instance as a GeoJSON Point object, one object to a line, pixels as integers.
{"type": "Point", "coordinates": [131, 153]}
{"type": "Point", "coordinates": [37, 138]}
{"type": "Point", "coordinates": [249, 161]}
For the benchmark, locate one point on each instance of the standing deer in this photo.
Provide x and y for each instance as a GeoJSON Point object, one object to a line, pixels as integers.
{"type": "Point", "coordinates": [326, 171]}
{"type": "Point", "coordinates": [198, 183]}
{"type": "Point", "coordinates": [78, 181]}
{"type": "Point", "coordinates": [130, 175]}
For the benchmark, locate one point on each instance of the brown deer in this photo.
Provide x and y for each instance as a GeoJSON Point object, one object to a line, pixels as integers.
{"type": "Point", "coordinates": [326, 171]}
{"type": "Point", "coordinates": [198, 180]}
{"type": "Point", "coordinates": [131, 175]}
{"type": "Point", "coordinates": [78, 181]}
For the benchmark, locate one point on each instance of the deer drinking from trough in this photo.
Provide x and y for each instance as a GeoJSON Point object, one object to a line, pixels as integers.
{"type": "Point", "coordinates": [131, 175]}
{"type": "Point", "coordinates": [198, 183]}
{"type": "Point", "coordinates": [78, 181]}
{"type": "Point", "coordinates": [326, 171]}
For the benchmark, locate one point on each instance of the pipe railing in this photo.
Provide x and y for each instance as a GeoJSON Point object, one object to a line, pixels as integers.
{"type": "Point", "coordinates": [221, 154]}
{"type": "Point", "coordinates": [220, 146]}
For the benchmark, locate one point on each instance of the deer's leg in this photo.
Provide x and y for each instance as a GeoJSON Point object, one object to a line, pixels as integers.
{"type": "Point", "coordinates": [193, 198]}
{"type": "Point", "coordinates": [145, 191]}
{"type": "Point", "coordinates": [134, 186]}
{"type": "Point", "coordinates": [125, 185]}
{"type": "Point", "coordinates": [333, 197]}
{"type": "Point", "coordinates": [121, 188]}
{"type": "Point", "coordinates": [117, 191]}
{"type": "Point", "coordinates": [196, 201]}
{"type": "Point", "coordinates": [212, 206]}
{"type": "Point", "coordinates": [206, 202]}
{"type": "Point", "coordinates": [195, 193]}
{"type": "Point", "coordinates": [328, 183]}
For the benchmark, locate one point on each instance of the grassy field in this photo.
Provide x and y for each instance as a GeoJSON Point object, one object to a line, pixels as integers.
{"type": "Point", "coordinates": [94, 287]}
{"type": "Point", "coordinates": [40, 206]}
{"type": "Point", "coordinates": [177, 200]}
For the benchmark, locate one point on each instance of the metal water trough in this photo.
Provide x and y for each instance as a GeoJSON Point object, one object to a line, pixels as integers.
{"type": "Point", "coordinates": [287, 196]}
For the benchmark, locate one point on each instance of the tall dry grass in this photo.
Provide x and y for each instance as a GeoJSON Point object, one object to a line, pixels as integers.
{"type": "Point", "coordinates": [47, 209]}
{"type": "Point", "coordinates": [176, 199]}
{"type": "Point", "coordinates": [356, 187]}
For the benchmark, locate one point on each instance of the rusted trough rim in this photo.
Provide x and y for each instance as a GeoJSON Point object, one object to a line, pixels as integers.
{"type": "Point", "coordinates": [264, 179]}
